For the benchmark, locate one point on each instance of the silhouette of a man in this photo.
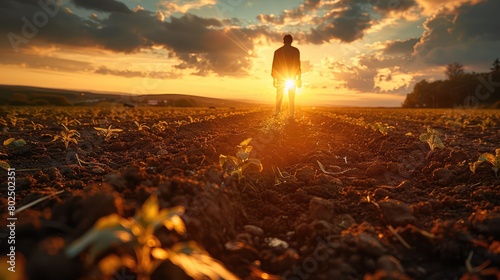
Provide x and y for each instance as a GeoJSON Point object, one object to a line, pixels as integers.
{"type": "Point", "coordinates": [286, 73]}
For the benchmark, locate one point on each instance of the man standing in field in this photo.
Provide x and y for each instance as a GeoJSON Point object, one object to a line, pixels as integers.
{"type": "Point", "coordinates": [286, 73]}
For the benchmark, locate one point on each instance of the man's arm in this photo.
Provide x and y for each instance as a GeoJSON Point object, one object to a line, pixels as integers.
{"type": "Point", "coordinates": [299, 70]}
{"type": "Point", "coordinates": [273, 70]}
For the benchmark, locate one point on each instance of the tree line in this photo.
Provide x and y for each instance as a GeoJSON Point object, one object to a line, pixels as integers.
{"type": "Point", "coordinates": [459, 89]}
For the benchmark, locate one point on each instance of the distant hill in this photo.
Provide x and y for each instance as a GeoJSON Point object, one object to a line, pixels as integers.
{"type": "Point", "coordinates": [37, 96]}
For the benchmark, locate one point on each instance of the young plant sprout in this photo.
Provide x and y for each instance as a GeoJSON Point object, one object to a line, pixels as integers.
{"type": "Point", "coordinates": [160, 126]}
{"type": "Point", "coordinates": [382, 127]}
{"type": "Point", "coordinates": [13, 143]}
{"type": "Point", "coordinates": [138, 234]}
{"type": "Point", "coordinates": [108, 133]}
{"type": "Point", "coordinates": [141, 126]}
{"type": "Point", "coordinates": [36, 126]}
{"type": "Point", "coordinates": [67, 136]}
{"type": "Point", "coordinates": [242, 160]}
{"type": "Point", "coordinates": [5, 165]}
{"type": "Point", "coordinates": [493, 159]}
{"type": "Point", "coordinates": [67, 122]}
{"type": "Point", "coordinates": [432, 138]}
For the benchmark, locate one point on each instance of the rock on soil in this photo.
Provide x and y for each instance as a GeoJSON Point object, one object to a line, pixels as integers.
{"type": "Point", "coordinates": [396, 213]}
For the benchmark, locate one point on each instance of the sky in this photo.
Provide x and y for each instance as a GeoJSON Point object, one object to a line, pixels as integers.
{"type": "Point", "coordinates": [353, 52]}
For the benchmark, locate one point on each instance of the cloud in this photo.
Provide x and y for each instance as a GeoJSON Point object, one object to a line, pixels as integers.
{"type": "Point", "coordinates": [393, 5]}
{"type": "Point", "coordinates": [103, 5]}
{"type": "Point", "coordinates": [298, 13]}
{"type": "Point", "coordinates": [342, 20]}
{"type": "Point", "coordinates": [345, 25]}
{"type": "Point", "coordinates": [467, 34]}
{"type": "Point", "coordinates": [204, 45]}
{"type": "Point", "coordinates": [431, 6]}
{"type": "Point", "coordinates": [400, 46]}
{"type": "Point", "coordinates": [372, 73]}
{"type": "Point", "coordinates": [132, 73]}
{"type": "Point", "coordinates": [35, 61]}
{"type": "Point", "coordinates": [184, 6]}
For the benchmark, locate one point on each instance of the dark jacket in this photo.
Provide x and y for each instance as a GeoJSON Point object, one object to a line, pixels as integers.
{"type": "Point", "coordinates": [286, 63]}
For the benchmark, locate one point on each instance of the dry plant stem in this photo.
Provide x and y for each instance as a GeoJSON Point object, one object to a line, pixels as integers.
{"type": "Point", "coordinates": [476, 269]}
{"type": "Point", "coordinates": [423, 232]}
{"type": "Point", "coordinates": [393, 231]}
{"type": "Point", "coordinates": [322, 167]}
{"type": "Point", "coordinates": [18, 210]}
{"type": "Point", "coordinates": [87, 162]}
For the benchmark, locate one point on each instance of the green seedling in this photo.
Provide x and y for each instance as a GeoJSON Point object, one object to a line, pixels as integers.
{"type": "Point", "coordinates": [432, 138]}
{"type": "Point", "coordinates": [67, 122]}
{"type": "Point", "coordinates": [160, 126]}
{"type": "Point", "coordinates": [141, 126]}
{"type": "Point", "coordinates": [237, 164]}
{"type": "Point", "coordinates": [382, 127]}
{"type": "Point", "coordinates": [36, 126]}
{"type": "Point", "coordinates": [67, 136]}
{"type": "Point", "coordinates": [493, 159]}
{"type": "Point", "coordinates": [14, 119]}
{"type": "Point", "coordinates": [5, 165]}
{"type": "Point", "coordinates": [108, 133]}
{"type": "Point", "coordinates": [137, 235]}
{"type": "Point", "coordinates": [3, 121]}
{"type": "Point", "coordinates": [13, 143]}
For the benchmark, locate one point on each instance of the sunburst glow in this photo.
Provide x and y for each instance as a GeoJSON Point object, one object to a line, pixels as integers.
{"type": "Point", "coordinates": [289, 84]}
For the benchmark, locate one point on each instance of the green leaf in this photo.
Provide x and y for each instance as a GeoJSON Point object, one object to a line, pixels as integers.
{"type": "Point", "coordinates": [19, 143]}
{"type": "Point", "coordinates": [437, 143]}
{"type": "Point", "coordinates": [4, 165]}
{"type": "Point", "coordinates": [106, 232]}
{"type": "Point", "coordinates": [245, 143]}
{"type": "Point", "coordinates": [8, 142]}
{"type": "Point", "coordinates": [424, 137]}
{"type": "Point", "coordinates": [255, 162]}
{"type": "Point", "coordinates": [488, 157]}
{"type": "Point", "coordinates": [197, 263]}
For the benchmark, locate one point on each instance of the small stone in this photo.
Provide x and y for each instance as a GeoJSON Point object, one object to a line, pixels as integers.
{"type": "Point", "coordinates": [305, 174]}
{"type": "Point", "coordinates": [396, 213]}
{"type": "Point", "coordinates": [321, 209]}
{"type": "Point", "coordinates": [370, 245]}
{"type": "Point", "coordinates": [486, 222]}
{"type": "Point", "coordinates": [254, 230]}
{"type": "Point", "coordinates": [162, 152]}
{"type": "Point", "coordinates": [381, 193]}
{"type": "Point", "coordinates": [376, 170]}
{"type": "Point", "coordinates": [443, 176]}
{"type": "Point", "coordinates": [390, 264]}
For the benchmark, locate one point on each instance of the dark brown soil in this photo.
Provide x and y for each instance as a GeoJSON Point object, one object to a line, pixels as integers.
{"type": "Point", "coordinates": [387, 208]}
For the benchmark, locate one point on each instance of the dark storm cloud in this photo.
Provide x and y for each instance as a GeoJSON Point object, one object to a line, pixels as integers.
{"type": "Point", "coordinates": [345, 25]}
{"type": "Point", "coordinates": [469, 34]}
{"type": "Point", "coordinates": [103, 5]}
{"type": "Point", "coordinates": [400, 46]}
{"type": "Point", "coordinates": [202, 44]}
{"type": "Point", "coordinates": [344, 20]}
{"type": "Point", "coordinates": [393, 5]}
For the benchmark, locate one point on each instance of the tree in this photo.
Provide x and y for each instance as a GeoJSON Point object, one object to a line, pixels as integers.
{"type": "Point", "coordinates": [496, 65]}
{"type": "Point", "coordinates": [454, 70]}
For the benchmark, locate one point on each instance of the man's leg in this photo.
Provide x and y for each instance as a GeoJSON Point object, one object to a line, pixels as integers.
{"type": "Point", "coordinates": [291, 102]}
{"type": "Point", "coordinates": [279, 97]}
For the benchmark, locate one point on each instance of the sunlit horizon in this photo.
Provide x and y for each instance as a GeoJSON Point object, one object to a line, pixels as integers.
{"type": "Point", "coordinates": [352, 54]}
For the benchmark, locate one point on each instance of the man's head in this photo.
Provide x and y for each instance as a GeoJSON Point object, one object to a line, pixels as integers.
{"type": "Point", "coordinates": [287, 40]}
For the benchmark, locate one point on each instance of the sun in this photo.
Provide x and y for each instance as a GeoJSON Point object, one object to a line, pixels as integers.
{"type": "Point", "coordinates": [289, 84]}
